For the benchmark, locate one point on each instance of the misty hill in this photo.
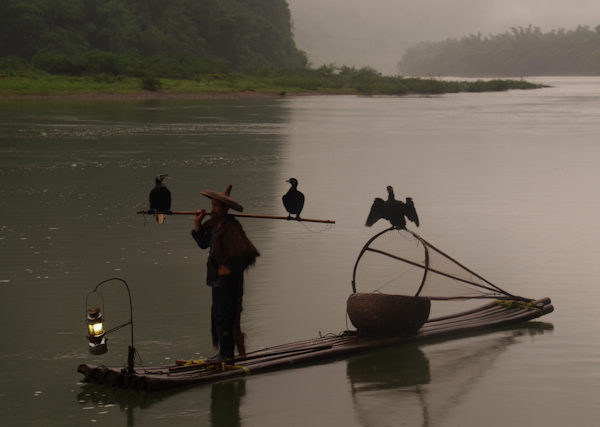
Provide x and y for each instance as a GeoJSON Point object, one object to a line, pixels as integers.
{"type": "Point", "coordinates": [518, 52]}
{"type": "Point", "coordinates": [378, 32]}
{"type": "Point", "coordinates": [242, 33]}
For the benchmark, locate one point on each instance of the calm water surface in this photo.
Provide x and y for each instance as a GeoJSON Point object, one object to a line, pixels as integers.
{"type": "Point", "coordinates": [505, 182]}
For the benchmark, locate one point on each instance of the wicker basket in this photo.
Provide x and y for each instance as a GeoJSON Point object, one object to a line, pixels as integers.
{"type": "Point", "coordinates": [382, 314]}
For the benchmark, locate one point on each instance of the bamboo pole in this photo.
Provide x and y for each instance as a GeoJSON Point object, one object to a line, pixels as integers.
{"type": "Point", "coordinates": [463, 313]}
{"type": "Point", "coordinates": [326, 221]}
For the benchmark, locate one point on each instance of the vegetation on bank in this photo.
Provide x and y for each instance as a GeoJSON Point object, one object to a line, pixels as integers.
{"type": "Point", "coordinates": [326, 79]}
{"type": "Point", "coordinates": [242, 33]}
{"type": "Point", "coordinates": [54, 47]}
{"type": "Point", "coordinates": [519, 52]}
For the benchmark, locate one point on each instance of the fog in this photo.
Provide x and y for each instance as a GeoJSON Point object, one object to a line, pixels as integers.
{"type": "Point", "coordinates": [377, 32]}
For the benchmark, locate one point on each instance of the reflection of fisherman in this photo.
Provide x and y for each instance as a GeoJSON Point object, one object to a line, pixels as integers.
{"type": "Point", "coordinates": [225, 399]}
{"type": "Point", "coordinates": [231, 252]}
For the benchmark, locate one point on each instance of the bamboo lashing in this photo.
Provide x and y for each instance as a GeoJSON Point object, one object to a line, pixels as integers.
{"type": "Point", "coordinates": [325, 221]}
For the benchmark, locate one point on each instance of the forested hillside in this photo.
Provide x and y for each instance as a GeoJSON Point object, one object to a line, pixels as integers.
{"type": "Point", "coordinates": [238, 33]}
{"type": "Point", "coordinates": [519, 52]}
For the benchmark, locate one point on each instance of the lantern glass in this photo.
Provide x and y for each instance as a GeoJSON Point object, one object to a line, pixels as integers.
{"type": "Point", "coordinates": [95, 322]}
{"type": "Point", "coordinates": [96, 329]}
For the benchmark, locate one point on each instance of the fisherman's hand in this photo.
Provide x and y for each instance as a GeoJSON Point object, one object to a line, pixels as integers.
{"type": "Point", "coordinates": [224, 270]}
{"type": "Point", "coordinates": [198, 218]}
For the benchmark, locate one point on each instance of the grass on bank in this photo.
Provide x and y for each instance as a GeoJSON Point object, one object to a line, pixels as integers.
{"type": "Point", "coordinates": [346, 81]}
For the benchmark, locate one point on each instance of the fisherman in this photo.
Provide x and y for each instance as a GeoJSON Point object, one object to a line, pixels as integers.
{"type": "Point", "coordinates": [231, 253]}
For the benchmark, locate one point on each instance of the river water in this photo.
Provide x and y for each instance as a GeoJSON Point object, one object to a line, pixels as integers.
{"type": "Point", "coordinates": [507, 183]}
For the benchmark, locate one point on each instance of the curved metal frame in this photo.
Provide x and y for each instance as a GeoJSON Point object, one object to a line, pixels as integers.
{"type": "Point", "coordinates": [426, 267]}
{"type": "Point", "coordinates": [131, 354]}
{"type": "Point", "coordinates": [367, 248]}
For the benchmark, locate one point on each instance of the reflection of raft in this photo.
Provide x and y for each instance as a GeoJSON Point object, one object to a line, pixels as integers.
{"type": "Point", "coordinates": [487, 317]}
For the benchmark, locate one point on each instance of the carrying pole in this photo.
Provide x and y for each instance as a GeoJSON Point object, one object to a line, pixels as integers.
{"type": "Point", "coordinates": [326, 221]}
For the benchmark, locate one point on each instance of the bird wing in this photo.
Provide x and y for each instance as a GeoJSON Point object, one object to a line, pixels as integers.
{"type": "Point", "coordinates": [167, 199]}
{"type": "Point", "coordinates": [152, 198]}
{"type": "Point", "coordinates": [300, 202]}
{"type": "Point", "coordinates": [293, 201]}
{"type": "Point", "coordinates": [376, 213]}
{"type": "Point", "coordinates": [160, 198]}
{"type": "Point", "coordinates": [286, 201]}
{"type": "Point", "coordinates": [411, 212]}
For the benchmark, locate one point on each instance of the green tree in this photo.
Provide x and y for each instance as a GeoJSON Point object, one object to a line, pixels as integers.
{"type": "Point", "coordinates": [243, 33]}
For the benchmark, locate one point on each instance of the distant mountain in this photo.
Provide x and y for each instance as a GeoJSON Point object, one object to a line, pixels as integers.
{"type": "Point", "coordinates": [245, 33]}
{"type": "Point", "coordinates": [518, 52]}
{"type": "Point", "coordinates": [378, 32]}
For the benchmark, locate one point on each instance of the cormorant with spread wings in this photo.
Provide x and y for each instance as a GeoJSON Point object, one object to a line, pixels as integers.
{"type": "Point", "coordinates": [395, 211]}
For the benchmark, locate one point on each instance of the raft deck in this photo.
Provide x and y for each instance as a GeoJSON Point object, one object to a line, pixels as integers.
{"type": "Point", "coordinates": [486, 317]}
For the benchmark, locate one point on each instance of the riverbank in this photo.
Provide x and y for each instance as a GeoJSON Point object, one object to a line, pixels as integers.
{"type": "Point", "coordinates": [149, 95]}
{"type": "Point", "coordinates": [215, 86]}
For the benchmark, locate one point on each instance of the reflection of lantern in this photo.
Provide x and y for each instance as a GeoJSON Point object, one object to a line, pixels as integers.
{"type": "Point", "coordinates": [97, 341]}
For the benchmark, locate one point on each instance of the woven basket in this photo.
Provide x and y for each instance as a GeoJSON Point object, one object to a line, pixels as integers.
{"type": "Point", "coordinates": [383, 314]}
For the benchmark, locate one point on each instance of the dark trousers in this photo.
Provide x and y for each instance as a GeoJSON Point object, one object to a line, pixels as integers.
{"type": "Point", "coordinates": [224, 313]}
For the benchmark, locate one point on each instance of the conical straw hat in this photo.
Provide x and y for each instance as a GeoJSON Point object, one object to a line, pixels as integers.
{"type": "Point", "coordinates": [224, 198]}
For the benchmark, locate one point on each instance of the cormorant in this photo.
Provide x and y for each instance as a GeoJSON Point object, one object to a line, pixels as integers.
{"type": "Point", "coordinates": [293, 200]}
{"type": "Point", "coordinates": [393, 210]}
{"type": "Point", "coordinates": [160, 199]}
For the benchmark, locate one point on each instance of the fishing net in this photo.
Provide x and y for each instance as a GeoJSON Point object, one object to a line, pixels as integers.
{"type": "Point", "coordinates": [398, 261]}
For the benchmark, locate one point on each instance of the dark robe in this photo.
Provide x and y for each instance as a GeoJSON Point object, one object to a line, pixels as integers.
{"type": "Point", "coordinates": [230, 247]}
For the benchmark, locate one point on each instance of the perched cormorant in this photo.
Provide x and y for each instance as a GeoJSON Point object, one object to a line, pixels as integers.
{"type": "Point", "coordinates": [160, 199]}
{"type": "Point", "coordinates": [293, 200]}
{"type": "Point", "coordinates": [393, 210]}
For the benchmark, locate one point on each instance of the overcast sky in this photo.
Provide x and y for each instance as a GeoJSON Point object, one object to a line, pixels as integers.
{"type": "Point", "coordinates": [377, 32]}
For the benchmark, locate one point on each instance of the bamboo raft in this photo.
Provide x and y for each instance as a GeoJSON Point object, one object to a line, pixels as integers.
{"type": "Point", "coordinates": [484, 318]}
